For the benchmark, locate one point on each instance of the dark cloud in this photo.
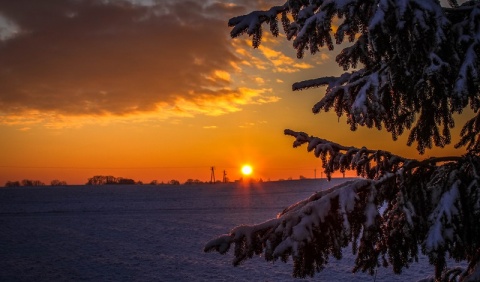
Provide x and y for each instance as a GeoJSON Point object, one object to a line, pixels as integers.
{"type": "Point", "coordinates": [112, 57]}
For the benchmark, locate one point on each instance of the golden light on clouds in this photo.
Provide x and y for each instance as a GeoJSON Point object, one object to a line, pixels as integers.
{"type": "Point", "coordinates": [229, 102]}
{"type": "Point", "coordinates": [281, 62]}
{"type": "Point", "coordinates": [200, 104]}
{"type": "Point", "coordinates": [220, 74]}
{"type": "Point", "coordinates": [271, 55]}
{"type": "Point", "coordinates": [260, 80]}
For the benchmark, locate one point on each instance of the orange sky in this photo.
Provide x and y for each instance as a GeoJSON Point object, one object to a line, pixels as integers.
{"type": "Point", "coordinates": [156, 92]}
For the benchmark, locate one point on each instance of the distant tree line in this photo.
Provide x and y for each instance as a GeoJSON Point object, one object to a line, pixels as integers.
{"type": "Point", "coordinates": [193, 181]}
{"type": "Point", "coordinates": [111, 180]}
{"type": "Point", "coordinates": [58, 183]}
{"type": "Point", "coordinates": [171, 182]}
{"type": "Point", "coordinates": [31, 183]}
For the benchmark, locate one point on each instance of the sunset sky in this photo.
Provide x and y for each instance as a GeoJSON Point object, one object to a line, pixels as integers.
{"type": "Point", "coordinates": [157, 90]}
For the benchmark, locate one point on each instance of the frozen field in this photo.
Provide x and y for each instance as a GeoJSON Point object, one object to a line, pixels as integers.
{"type": "Point", "coordinates": [149, 233]}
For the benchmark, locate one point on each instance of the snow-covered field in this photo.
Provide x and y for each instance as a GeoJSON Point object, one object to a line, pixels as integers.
{"type": "Point", "coordinates": [150, 233]}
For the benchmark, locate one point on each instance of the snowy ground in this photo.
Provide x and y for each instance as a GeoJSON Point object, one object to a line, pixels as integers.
{"type": "Point", "coordinates": [149, 233]}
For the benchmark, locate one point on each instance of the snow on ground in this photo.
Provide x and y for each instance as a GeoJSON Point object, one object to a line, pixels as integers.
{"type": "Point", "coordinates": [150, 233]}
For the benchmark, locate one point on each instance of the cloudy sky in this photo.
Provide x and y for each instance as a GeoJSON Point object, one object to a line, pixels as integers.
{"type": "Point", "coordinates": [155, 90]}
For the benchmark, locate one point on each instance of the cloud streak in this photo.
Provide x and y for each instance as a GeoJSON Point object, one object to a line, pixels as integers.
{"type": "Point", "coordinates": [207, 104]}
{"type": "Point", "coordinates": [88, 58]}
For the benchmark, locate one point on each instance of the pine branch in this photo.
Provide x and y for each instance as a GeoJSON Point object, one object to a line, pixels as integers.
{"type": "Point", "coordinates": [388, 39]}
{"type": "Point", "coordinates": [419, 65]}
{"type": "Point", "coordinates": [290, 232]}
{"type": "Point", "coordinates": [465, 7]}
{"type": "Point", "coordinates": [311, 83]}
{"type": "Point", "coordinates": [373, 164]}
{"type": "Point", "coordinates": [252, 23]}
{"type": "Point", "coordinates": [426, 205]}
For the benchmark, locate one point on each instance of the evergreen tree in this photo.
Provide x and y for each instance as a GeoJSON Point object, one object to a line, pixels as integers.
{"type": "Point", "coordinates": [411, 65]}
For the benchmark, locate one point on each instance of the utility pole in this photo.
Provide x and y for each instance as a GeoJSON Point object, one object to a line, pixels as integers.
{"type": "Point", "coordinates": [315, 174]}
{"type": "Point", "coordinates": [224, 176]}
{"type": "Point", "coordinates": [212, 175]}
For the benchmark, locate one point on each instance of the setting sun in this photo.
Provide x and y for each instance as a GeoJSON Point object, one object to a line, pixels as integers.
{"type": "Point", "coordinates": [247, 170]}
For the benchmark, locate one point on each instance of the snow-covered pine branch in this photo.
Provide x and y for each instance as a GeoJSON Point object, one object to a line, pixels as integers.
{"type": "Point", "coordinates": [418, 61]}
{"type": "Point", "coordinates": [373, 164]}
{"type": "Point", "coordinates": [310, 231]}
{"type": "Point", "coordinates": [437, 208]}
{"type": "Point", "coordinates": [411, 65]}
{"type": "Point", "coordinates": [252, 23]}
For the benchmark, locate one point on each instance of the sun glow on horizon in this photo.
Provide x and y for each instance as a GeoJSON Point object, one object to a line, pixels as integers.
{"type": "Point", "coordinates": [247, 170]}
